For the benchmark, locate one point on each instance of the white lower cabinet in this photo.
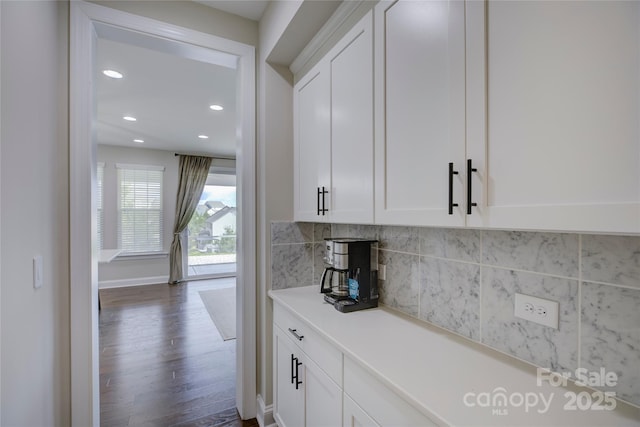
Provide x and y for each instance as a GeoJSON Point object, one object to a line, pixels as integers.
{"type": "Point", "coordinates": [305, 390]}
{"type": "Point", "coordinates": [316, 386]}
{"type": "Point", "coordinates": [323, 398]}
{"type": "Point", "coordinates": [378, 402]}
{"type": "Point", "coordinates": [289, 382]}
{"type": "Point", "coordinates": [354, 415]}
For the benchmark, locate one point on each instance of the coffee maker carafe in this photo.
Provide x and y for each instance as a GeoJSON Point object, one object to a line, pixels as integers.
{"type": "Point", "coordinates": [350, 277]}
{"type": "Point", "coordinates": [335, 280]}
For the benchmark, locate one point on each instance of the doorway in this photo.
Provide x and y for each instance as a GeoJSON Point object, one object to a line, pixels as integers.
{"type": "Point", "coordinates": [87, 20]}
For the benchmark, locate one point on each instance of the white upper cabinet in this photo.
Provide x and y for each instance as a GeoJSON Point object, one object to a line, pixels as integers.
{"type": "Point", "coordinates": [420, 112]}
{"type": "Point", "coordinates": [333, 133]}
{"type": "Point", "coordinates": [312, 150]}
{"type": "Point", "coordinates": [351, 63]}
{"type": "Point", "coordinates": [553, 114]}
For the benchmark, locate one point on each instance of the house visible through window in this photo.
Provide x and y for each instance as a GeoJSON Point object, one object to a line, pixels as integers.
{"type": "Point", "coordinates": [140, 208]}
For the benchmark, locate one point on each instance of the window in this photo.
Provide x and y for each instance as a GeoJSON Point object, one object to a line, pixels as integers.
{"type": "Point", "coordinates": [140, 208]}
{"type": "Point", "coordinates": [99, 202]}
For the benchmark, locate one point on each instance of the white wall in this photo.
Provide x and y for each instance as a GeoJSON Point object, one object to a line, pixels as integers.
{"type": "Point", "coordinates": [122, 269]}
{"type": "Point", "coordinates": [193, 16]}
{"type": "Point", "coordinates": [275, 171]}
{"type": "Point", "coordinates": [34, 197]}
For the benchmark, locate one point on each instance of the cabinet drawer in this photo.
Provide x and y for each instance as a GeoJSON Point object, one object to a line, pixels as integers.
{"type": "Point", "coordinates": [384, 406]}
{"type": "Point", "coordinates": [325, 355]}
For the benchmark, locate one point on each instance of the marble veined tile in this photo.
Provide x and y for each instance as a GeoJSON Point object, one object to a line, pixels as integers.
{"type": "Point", "coordinates": [401, 289]}
{"type": "Point", "coordinates": [291, 232]}
{"type": "Point", "coordinates": [611, 259]}
{"type": "Point", "coordinates": [452, 243]}
{"type": "Point", "coordinates": [321, 231]}
{"type": "Point", "coordinates": [611, 336]}
{"type": "Point", "coordinates": [318, 262]}
{"type": "Point", "coordinates": [555, 349]}
{"type": "Point", "coordinates": [291, 265]}
{"type": "Point", "coordinates": [360, 231]}
{"type": "Point", "coordinates": [403, 239]}
{"type": "Point", "coordinates": [450, 295]}
{"type": "Point", "coordinates": [549, 253]}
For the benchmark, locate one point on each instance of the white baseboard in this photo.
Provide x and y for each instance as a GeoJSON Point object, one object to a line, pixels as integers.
{"type": "Point", "coordinates": [105, 284]}
{"type": "Point", "coordinates": [265, 414]}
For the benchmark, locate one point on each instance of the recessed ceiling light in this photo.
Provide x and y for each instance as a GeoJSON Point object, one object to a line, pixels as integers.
{"type": "Point", "coordinates": [139, 141]}
{"type": "Point", "coordinates": [203, 137]}
{"type": "Point", "coordinates": [130, 119]}
{"type": "Point", "coordinates": [113, 74]}
{"type": "Point", "coordinates": [216, 107]}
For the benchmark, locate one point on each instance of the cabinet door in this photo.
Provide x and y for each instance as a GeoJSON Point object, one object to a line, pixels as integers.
{"type": "Point", "coordinates": [559, 121]}
{"type": "Point", "coordinates": [311, 145]}
{"type": "Point", "coordinates": [288, 402]}
{"type": "Point", "coordinates": [420, 111]}
{"type": "Point", "coordinates": [351, 68]}
{"type": "Point", "coordinates": [323, 398]}
{"type": "Point", "coordinates": [354, 416]}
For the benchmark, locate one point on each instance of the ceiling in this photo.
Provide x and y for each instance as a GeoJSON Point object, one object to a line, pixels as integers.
{"type": "Point", "coordinates": [169, 96]}
{"type": "Point", "coordinates": [168, 87]}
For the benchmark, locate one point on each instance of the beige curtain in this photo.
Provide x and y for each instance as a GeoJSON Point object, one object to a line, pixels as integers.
{"type": "Point", "coordinates": [193, 175]}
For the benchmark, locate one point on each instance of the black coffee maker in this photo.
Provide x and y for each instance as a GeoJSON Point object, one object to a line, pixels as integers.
{"type": "Point", "coordinates": [350, 277]}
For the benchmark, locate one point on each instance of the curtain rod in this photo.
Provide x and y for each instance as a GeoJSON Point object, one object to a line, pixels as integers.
{"type": "Point", "coordinates": [200, 155]}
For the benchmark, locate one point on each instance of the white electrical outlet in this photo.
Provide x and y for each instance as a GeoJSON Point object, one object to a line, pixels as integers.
{"type": "Point", "coordinates": [537, 310]}
{"type": "Point", "coordinates": [382, 272]}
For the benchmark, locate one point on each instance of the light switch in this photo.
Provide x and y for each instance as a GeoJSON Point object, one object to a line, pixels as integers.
{"type": "Point", "coordinates": [37, 271]}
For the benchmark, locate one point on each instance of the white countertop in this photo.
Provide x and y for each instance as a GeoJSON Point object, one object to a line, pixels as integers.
{"type": "Point", "coordinates": [435, 370]}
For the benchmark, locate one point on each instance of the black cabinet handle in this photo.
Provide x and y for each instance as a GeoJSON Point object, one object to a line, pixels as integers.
{"type": "Point", "coordinates": [294, 332]}
{"type": "Point", "coordinates": [295, 364]}
{"type": "Point", "coordinates": [292, 368]}
{"type": "Point", "coordinates": [298, 382]}
{"type": "Point", "coordinates": [320, 210]}
{"type": "Point", "coordinates": [324, 193]}
{"type": "Point", "coordinates": [451, 173]}
{"type": "Point", "coordinates": [470, 169]}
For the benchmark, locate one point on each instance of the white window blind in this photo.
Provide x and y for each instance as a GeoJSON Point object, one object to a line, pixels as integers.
{"type": "Point", "coordinates": [139, 208]}
{"type": "Point", "coordinates": [99, 202]}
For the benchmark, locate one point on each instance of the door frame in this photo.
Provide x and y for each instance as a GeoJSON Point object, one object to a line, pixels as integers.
{"type": "Point", "coordinates": [85, 390]}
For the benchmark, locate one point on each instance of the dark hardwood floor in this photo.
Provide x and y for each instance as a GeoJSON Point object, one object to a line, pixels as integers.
{"type": "Point", "coordinates": [162, 361]}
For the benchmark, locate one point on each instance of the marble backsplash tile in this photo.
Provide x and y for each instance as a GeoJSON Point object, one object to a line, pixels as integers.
{"type": "Point", "coordinates": [458, 244]}
{"type": "Point", "coordinates": [549, 253]}
{"type": "Point", "coordinates": [291, 265]}
{"type": "Point", "coordinates": [401, 239]}
{"type": "Point", "coordinates": [402, 287]}
{"type": "Point", "coordinates": [556, 349]}
{"type": "Point", "coordinates": [453, 285]}
{"type": "Point", "coordinates": [611, 259]}
{"type": "Point", "coordinates": [611, 335]}
{"type": "Point", "coordinates": [292, 232]}
{"type": "Point", "coordinates": [464, 280]}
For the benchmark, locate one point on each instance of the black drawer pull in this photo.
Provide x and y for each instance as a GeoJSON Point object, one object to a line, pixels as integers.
{"type": "Point", "coordinates": [295, 334]}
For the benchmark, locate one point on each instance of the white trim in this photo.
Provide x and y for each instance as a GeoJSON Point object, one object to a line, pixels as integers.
{"type": "Point", "coordinates": [265, 414]}
{"type": "Point", "coordinates": [139, 167]}
{"type": "Point", "coordinates": [342, 13]}
{"type": "Point", "coordinates": [85, 408]}
{"type": "Point", "coordinates": [140, 281]}
{"type": "Point", "coordinates": [133, 256]}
